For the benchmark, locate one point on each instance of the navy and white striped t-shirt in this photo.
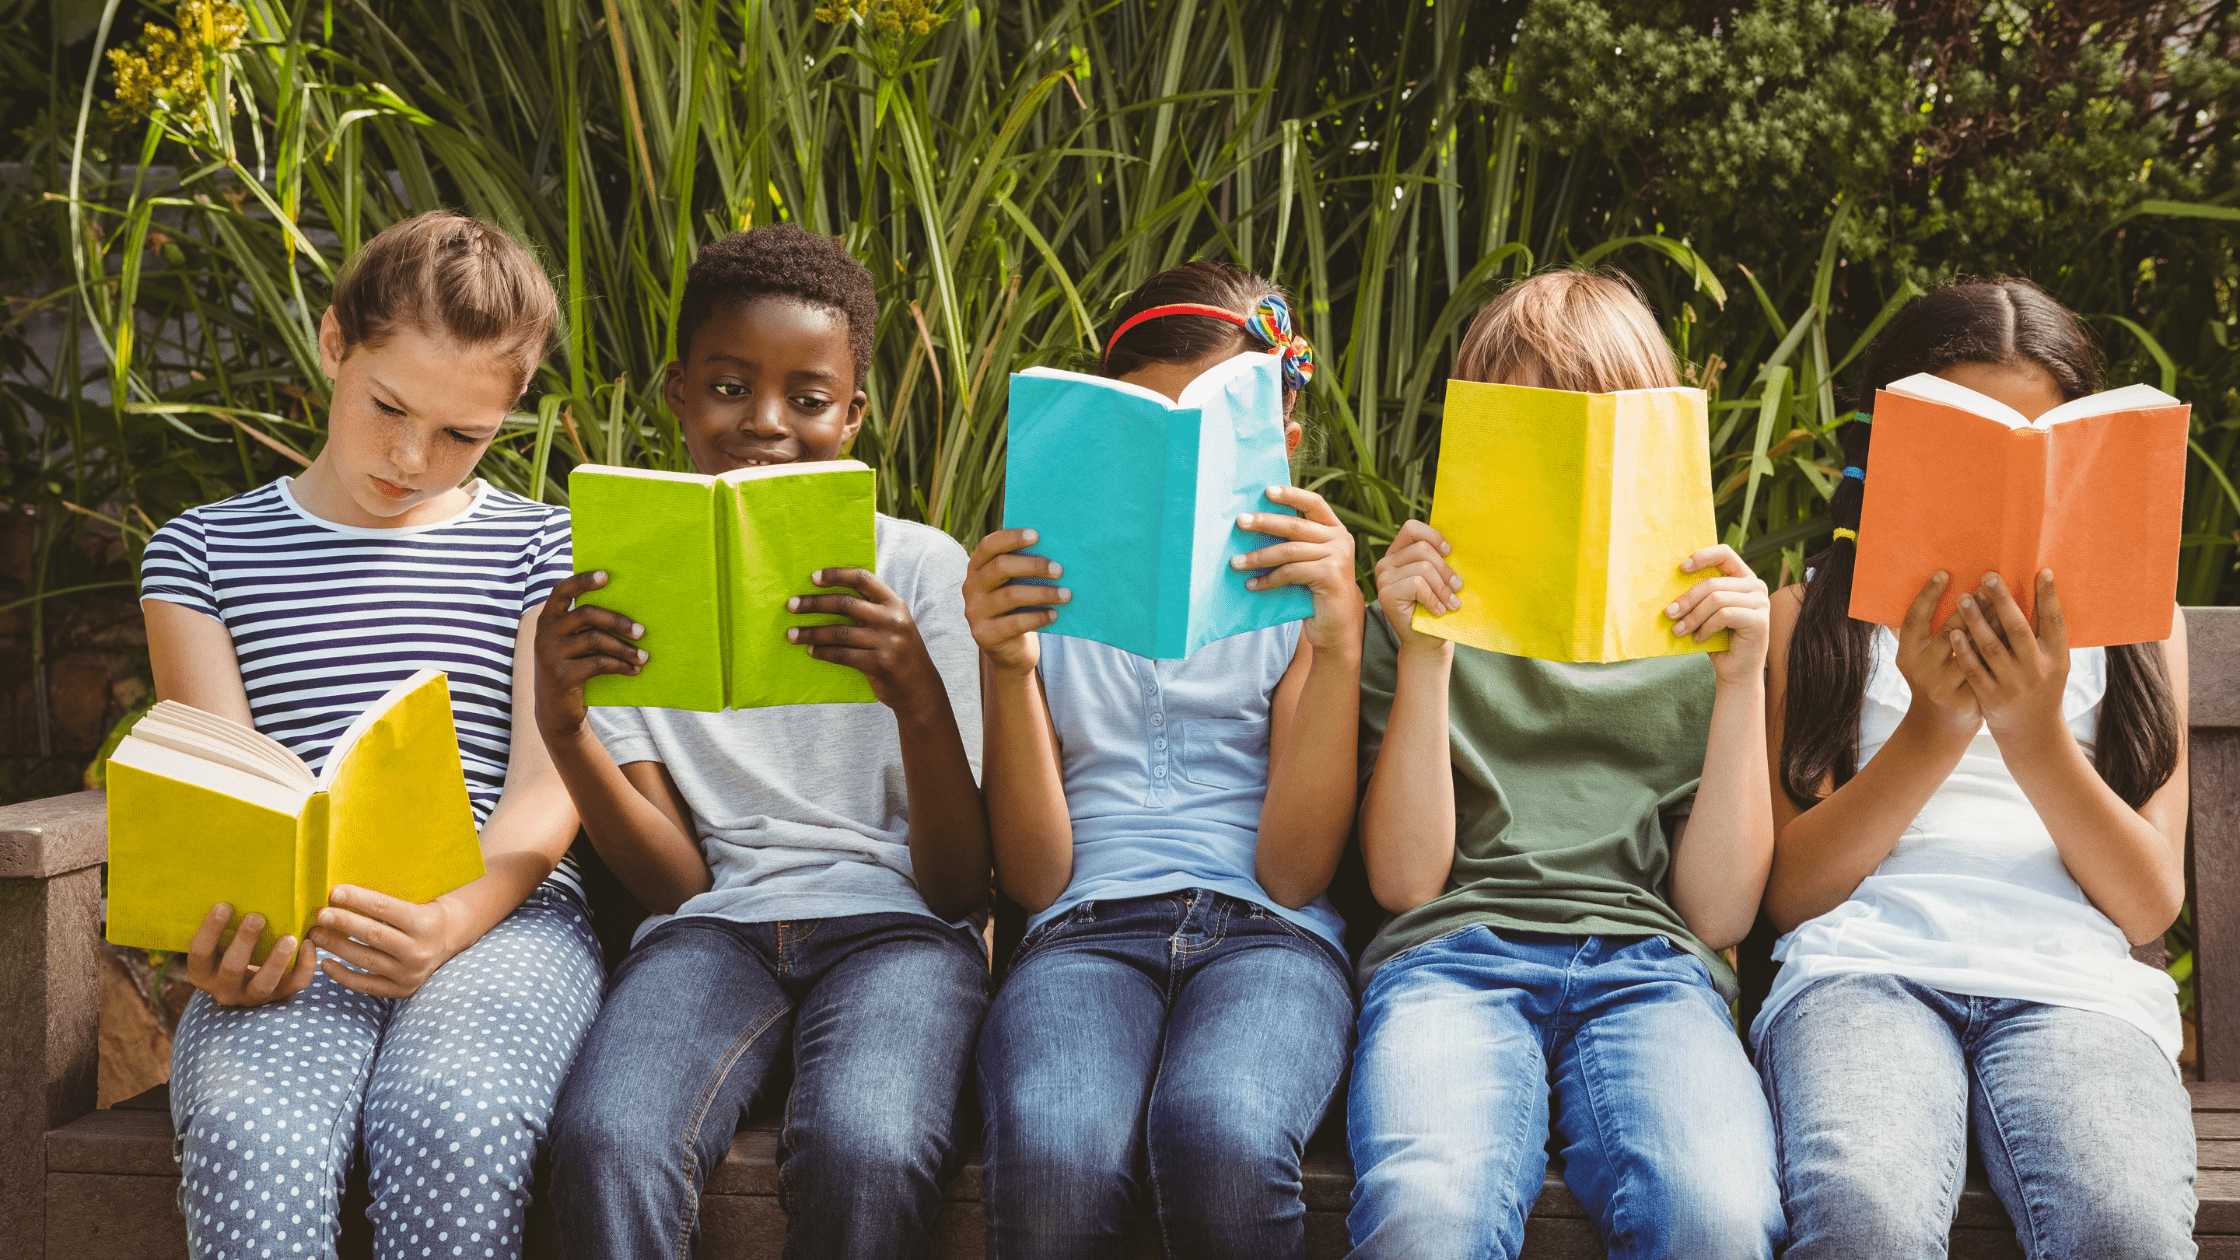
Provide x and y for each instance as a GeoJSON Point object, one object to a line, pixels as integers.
{"type": "Point", "coordinates": [325, 618]}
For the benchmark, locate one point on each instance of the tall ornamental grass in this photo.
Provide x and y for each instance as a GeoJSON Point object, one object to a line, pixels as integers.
{"type": "Point", "coordinates": [1008, 172]}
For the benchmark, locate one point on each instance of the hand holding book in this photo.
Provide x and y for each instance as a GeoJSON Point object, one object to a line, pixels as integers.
{"type": "Point", "coordinates": [879, 638]}
{"type": "Point", "coordinates": [237, 977]}
{"type": "Point", "coordinates": [2018, 673]}
{"type": "Point", "coordinates": [1316, 553]}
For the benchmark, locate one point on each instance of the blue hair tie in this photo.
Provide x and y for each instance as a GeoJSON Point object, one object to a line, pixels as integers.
{"type": "Point", "coordinates": [1855, 474]}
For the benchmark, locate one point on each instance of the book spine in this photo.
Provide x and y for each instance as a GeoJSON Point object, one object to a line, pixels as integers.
{"type": "Point", "coordinates": [2023, 520]}
{"type": "Point", "coordinates": [1594, 638]}
{"type": "Point", "coordinates": [314, 859]}
{"type": "Point", "coordinates": [728, 518]}
{"type": "Point", "coordinates": [1178, 536]}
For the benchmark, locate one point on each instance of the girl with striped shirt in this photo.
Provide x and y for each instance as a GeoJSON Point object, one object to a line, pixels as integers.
{"type": "Point", "coordinates": [435, 1034]}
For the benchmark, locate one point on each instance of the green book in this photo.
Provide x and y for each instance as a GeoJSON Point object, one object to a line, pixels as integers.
{"type": "Point", "coordinates": [706, 565]}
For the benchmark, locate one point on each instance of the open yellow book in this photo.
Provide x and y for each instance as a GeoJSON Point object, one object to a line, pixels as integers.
{"type": "Point", "coordinates": [203, 809]}
{"type": "Point", "coordinates": [1569, 515]}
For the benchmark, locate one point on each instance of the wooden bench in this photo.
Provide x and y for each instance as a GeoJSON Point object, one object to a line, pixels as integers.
{"type": "Point", "coordinates": [78, 1183]}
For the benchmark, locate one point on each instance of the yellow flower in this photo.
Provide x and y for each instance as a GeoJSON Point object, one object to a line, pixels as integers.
{"type": "Point", "coordinates": [168, 74]}
{"type": "Point", "coordinates": [916, 18]}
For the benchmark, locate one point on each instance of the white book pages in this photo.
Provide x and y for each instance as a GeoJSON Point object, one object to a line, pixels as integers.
{"type": "Point", "coordinates": [190, 767]}
{"type": "Point", "coordinates": [1936, 389]}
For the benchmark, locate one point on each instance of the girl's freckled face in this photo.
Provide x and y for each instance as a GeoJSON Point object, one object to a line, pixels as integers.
{"type": "Point", "coordinates": [409, 419]}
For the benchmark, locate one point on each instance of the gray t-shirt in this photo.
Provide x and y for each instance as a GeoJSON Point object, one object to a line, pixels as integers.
{"type": "Point", "coordinates": [801, 810]}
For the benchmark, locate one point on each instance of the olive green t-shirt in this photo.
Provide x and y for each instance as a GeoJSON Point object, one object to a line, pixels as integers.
{"type": "Point", "coordinates": [1565, 777]}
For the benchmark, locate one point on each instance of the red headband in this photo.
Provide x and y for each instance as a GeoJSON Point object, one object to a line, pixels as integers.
{"type": "Point", "coordinates": [1173, 308]}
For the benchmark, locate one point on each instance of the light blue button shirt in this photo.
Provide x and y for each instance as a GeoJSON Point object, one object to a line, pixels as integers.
{"type": "Point", "coordinates": [1166, 765]}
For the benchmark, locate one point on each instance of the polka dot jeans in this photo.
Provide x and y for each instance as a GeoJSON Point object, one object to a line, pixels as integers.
{"type": "Point", "coordinates": [450, 1090]}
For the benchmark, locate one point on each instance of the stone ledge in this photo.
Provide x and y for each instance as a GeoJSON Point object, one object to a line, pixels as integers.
{"type": "Point", "coordinates": [54, 836]}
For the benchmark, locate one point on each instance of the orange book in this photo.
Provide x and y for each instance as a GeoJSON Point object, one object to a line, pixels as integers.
{"type": "Point", "coordinates": [2093, 490]}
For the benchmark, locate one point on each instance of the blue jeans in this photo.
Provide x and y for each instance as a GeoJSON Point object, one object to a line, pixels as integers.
{"type": "Point", "coordinates": [2086, 1134]}
{"type": "Point", "coordinates": [1175, 1052]}
{"type": "Point", "coordinates": [1664, 1134]}
{"type": "Point", "coordinates": [270, 1100]}
{"type": "Point", "coordinates": [879, 1011]}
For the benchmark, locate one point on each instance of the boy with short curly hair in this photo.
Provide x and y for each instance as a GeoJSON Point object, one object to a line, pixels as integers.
{"type": "Point", "coordinates": [816, 873]}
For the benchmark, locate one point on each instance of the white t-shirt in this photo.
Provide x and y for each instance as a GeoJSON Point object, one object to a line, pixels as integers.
{"type": "Point", "coordinates": [801, 810]}
{"type": "Point", "coordinates": [1975, 898]}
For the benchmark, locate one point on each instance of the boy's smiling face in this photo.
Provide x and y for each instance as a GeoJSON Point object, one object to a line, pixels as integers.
{"type": "Point", "coordinates": [768, 381]}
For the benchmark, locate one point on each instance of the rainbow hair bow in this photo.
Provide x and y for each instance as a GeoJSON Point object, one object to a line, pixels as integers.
{"type": "Point", "coordinates": [1270, 321]}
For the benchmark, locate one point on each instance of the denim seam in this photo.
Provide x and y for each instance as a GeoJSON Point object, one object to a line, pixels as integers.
{"type": "Point", "coordinates": [738, 1047]}
{"type": "Point", "coordinates": [2028, 1226]}
{"type": "Point", "coordinates": [1597, 1109]}
{"type": "Point", "coordinates": [1321, 947]}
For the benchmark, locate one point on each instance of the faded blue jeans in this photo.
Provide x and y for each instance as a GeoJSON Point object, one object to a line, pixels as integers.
{"type": "Point", "coordinates": [878, 1013]}
{"type": "Point", "coordinates": [1172, 1052]}
{"type": "Point", "coordinates": [2086, 1134]}
{"type": "Point", "coordinates": [1664, 1132]}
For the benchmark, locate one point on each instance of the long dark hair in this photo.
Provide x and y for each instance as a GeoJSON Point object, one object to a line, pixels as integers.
{"type": "Point", "coordinates": [1188, 338]}
{"type": "Point", "coordinates": [1975, 321]}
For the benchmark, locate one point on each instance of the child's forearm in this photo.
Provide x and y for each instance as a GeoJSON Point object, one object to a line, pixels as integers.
{"type": "Point", "coordinates": [1309, 807]}
{"type": "Point", "coordinates": [1719, 865]}
{"type": "Point", "coordinates": [948, 823]}
{"type": "Point", "coordinates": [1820, 857]}
{"type": "Point", "coordinates": [658, 862]}
{"type": "Point", "coordinates": [1028, 822]}
{"type": "Point", "coordinates": [2133, 870]}
{"type": "Point", "coordinates": [1407, 815]}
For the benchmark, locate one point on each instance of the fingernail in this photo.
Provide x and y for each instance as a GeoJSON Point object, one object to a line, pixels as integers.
{"type": "Point", "coordinates": [1453, 604]}
{"type": "Point", "coordinates": [643, 656]}
{"type": "Point", "coordinates": [1056, 569]}
{"type": "Point", "coordinates": [793, 604]}
{"type": "Point", "coordinates": [793, 636]}
{"type": "Point", "coordinates": [2045, 575]}
{"type": "Point", "coordinates": [817, 578]}
{"type": "Point", "coordinates": [600, 577]}
{"type": "Point", "coordinates": [225, 908]}
{"type": "Point", "coordinates": [1446, 549]}
{"type": "Point", "coordinates": [1990, 579]}
{"type": "Point", "coordinates": [1967, 601]}
{"type": "Point", "coordinates": [1939, 578]}
{"type": "Point", "coordinates": [1244, 521]}
{"type": "Point", "coordinates": [253, 923]}
{"type": "Point", "coordinates": [1680, 627]}
{"type": "Point", "coordinates": [1030, 536]}
{"type": "Point", "coordinates": [1065, 597]}
{"type": "Point", "coordinates": [637, 631]}
{"type": "Point", "coordinates": [1237, 562]}
{"type": "Point", "coordinates": [1455, 581]}
{"type": "Point", "coordinates": [1672, 610]}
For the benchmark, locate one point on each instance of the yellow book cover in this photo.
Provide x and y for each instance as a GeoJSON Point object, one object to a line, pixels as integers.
{"type": "Point", "coordinates": [1569, 515]}
{"type": "Point", "coordinates": [203, 809]}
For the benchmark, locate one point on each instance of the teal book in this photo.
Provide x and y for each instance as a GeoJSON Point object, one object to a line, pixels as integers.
{"type": "Point", "coordinates": [1138, 497]}
{"type": "Point", "coordinates": [706, 565]}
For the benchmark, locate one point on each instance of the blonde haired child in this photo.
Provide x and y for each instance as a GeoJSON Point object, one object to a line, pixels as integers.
{"type": "Point", "coordinates": [436, 1033]}
{"type": "Point", "coordinates": [1564, 848]}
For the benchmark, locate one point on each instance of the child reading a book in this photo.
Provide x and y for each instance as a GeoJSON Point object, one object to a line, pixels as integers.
{"type": "Point", "coordinates": [1976, 822]}
{"type": "Point", "coordinates": [293, 608]}
{"type": "Point", "coordinates": [1176, 1021]}
{"type": "Point", "coordinates": [1564, 849]}
{"type": "Point", "coordinates": [815, 871]}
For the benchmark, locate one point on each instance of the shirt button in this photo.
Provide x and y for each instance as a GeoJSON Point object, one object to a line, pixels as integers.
{"type": "Point", "coordinates": [1158, 743]}
{"type": "Point", "coordinates": [1158, 719]}
{"type": "Point", "coordinates": [1159, 772]}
